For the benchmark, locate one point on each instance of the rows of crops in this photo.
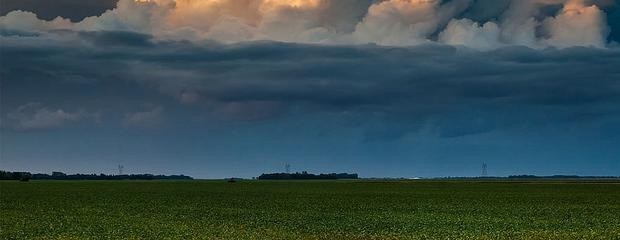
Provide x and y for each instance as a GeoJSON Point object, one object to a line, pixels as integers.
{"type": "Point", "coordinates": [308, 210]}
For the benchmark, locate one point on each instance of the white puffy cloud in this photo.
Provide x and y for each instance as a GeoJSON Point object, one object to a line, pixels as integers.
{"type": "Point", "coordinates": [387, 22]}
{"type": "Point", "coordinates": [27, 21]}
{"type": "Point", "coordinates": [577, 25]}
{"type": "Point", "coordinates": [398, 22]}
{"type": "Point", "coordinates": [469, 33]}
{"type": "Point", "coordinates": [34, 116]}
{"type": "Point", "coordinates": [229, 29]}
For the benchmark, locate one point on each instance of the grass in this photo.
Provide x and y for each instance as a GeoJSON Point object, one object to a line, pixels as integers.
{"type": "Point", "coordinates": [308, 210]}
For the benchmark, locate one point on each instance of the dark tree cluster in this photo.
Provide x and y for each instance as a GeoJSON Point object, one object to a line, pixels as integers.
{"type": "Point", "coordinates": [306, 176]}
{"type": "Point", "coordinates": [22, 176]}
{"type": "Point", "coordinates": [25, 176]}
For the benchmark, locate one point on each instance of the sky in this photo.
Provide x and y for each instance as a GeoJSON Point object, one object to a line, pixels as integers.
{"type": "Point", "coordinates": [383, 88]}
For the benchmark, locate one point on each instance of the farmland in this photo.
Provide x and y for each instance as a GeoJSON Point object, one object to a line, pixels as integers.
{"type": "Point", "coordinates": [309, 210]}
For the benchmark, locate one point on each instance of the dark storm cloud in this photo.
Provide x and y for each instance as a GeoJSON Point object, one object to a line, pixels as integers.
{"type": "Point", "coordinates": [614, 24]}
{"type": "Point", "coordinates": [116, 38]}
{"type": "Point", "coordinates": [456, 91]}
{"type": "Point", "coordinates": [76, 10]}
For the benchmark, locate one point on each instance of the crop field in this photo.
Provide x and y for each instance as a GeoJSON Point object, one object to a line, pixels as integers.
{"type": "Point", "coordinates": [308, 210]}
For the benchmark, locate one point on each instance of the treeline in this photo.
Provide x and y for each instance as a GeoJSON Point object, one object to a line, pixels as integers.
{"type": "Point", "coordinates": [25, 176]}
{"type": "Point", "coordinates": [306, 176]}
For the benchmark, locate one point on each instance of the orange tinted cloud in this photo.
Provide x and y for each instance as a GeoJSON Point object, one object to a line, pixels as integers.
{"type": "Point", "coordinates": [388, 22]}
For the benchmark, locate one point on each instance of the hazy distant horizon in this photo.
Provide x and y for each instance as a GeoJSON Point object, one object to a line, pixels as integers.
{"type": "Point", "coordinates": [224, 176]}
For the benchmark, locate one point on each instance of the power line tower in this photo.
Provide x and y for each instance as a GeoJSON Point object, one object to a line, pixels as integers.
{"type": "Point", "coordinates": [484, 170]}
{"type": "Point", "coordinates": [120, 169]}
{"type": "Point", "coordinates": [287, 168]}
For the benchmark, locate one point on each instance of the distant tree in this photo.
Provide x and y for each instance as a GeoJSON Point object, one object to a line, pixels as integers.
{"type": "Point", "coordinates": [25, 177]}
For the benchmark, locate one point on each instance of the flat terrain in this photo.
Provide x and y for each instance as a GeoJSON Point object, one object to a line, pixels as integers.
{"type": "Point", "coordinates": [308, 210]}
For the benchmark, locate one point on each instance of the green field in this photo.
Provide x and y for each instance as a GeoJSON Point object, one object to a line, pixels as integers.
{"type": "Point", "coordinates": [308, 210]}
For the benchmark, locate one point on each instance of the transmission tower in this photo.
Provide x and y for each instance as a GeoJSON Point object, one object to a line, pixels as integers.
{"type": "Point", "coordinates": [484, 170]}
{"type": "Point", "coordinates": [287, 168]}
{"type": "Point", "coordinates": [120, 169]}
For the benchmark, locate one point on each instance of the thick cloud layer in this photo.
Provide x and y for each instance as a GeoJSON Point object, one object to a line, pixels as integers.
{"type": "Point", "coordinates": [416, 85]}
{"type": "Point", "coordinates": [532, 23]}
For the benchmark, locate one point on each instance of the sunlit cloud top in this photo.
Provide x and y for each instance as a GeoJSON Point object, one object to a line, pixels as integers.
{"type": "Point", "coordinates": [389, 22]}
